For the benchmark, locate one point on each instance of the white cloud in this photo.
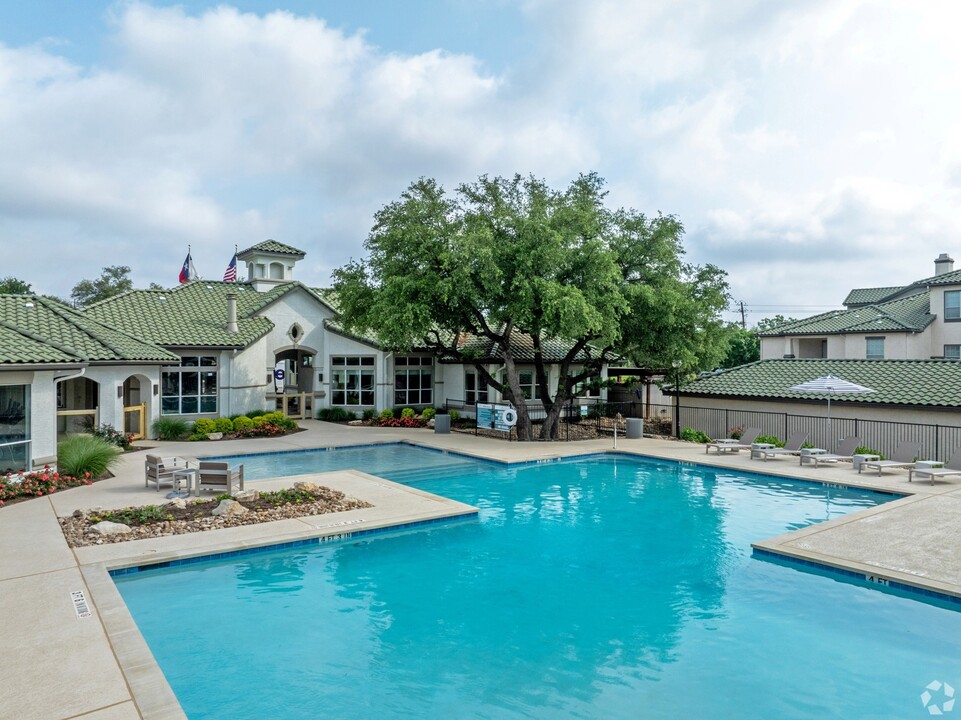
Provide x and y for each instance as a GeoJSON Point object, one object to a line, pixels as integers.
{"type": "Point", "coordinates": [820, 135]}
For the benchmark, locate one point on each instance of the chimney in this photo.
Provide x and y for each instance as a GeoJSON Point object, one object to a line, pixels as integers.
{"type": "Point", "coordinates": [232, 313]}
{"type": "Point", "coordinates": [943, 264]}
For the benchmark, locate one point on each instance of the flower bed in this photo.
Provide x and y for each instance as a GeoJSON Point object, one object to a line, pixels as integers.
{"type": "Point", "coordinates": [37, 484]}
{"type": "Point", "coordinates": [182, 516]}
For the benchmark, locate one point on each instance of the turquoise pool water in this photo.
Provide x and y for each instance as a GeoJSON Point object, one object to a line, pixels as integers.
{"type": "Point", "coordinates": [608, 587]}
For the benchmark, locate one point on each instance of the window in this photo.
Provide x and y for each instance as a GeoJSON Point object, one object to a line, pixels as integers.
{"type": "Point", "coordinates": [587, 390]}
{"type": "Point", "coordinates": [190, 388]}
{"type": "Point", "coordinates": [952, 304]}
{"type": "Point", "coordinates": [528, 385]}
{"type": "Point", "coordinates": [351, 380]}
{"type": "Point", "coordinates": [952, 352]}
{"type": "Point", "coordinates": [15, 418]}
{"type": "Point", "coordinates": [413, 380]}
{"type": "Point", "coordinates": [875, 348]}
{"type": "Point", "coordinates": [475, 388]}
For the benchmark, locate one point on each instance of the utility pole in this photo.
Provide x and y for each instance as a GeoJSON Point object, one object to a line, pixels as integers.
{"type": "Point", "coordinates": [743, 317]}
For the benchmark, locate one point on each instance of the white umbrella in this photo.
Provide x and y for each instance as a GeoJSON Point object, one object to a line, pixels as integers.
{"type": "Point", "coordinates": [830, 385]}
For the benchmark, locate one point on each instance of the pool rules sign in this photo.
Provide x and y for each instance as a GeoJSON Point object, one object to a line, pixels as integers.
{"type": "Point", "coordinates": [496, 417]}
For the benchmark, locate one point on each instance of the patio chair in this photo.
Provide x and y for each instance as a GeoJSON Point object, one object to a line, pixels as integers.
{"type": "Point", "coordinates": [791, 447]}
{"type": "Point", "coordinates": [734, 445]}
{"type": "Point", "coordinates": [951, 467]}
{"type": "Point", "coordinates": [160, 470]}
{"type": "Point", "coordinates": [845, 452]}
{"type": "Point", "coordinates": [219, 476]}
{"type": "Point", "coordinates": [903, 457]}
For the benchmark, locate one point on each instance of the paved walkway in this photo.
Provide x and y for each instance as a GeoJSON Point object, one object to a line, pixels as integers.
{"type": "Point", "coordinates": [99, 667]}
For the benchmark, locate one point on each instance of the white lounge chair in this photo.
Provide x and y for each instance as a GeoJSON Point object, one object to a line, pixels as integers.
{"type": "Point", "coordinates": [845, 452]}
{"type": "Point", "coordinates": [791, 447]}
{"type": "Point", "coordinates": [219, 476]}
{"type": "Point", "coordinates": [903, 457]}
{"type": "Point", "coordinates": [951, 467]}
{"type": "Point", "coordinates": [732, 444]}
{"type": "Point", "coordinates": [160, 470]}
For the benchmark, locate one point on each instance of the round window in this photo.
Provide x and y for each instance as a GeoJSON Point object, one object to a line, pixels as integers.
{"type": "Point", "coordinates": [296, 332]}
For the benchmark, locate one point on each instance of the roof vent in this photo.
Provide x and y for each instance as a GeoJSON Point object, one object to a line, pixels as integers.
{"type": "Point", "coordinates": [943, 264]}
{"type": "Point", "coordinates": [28, 304]}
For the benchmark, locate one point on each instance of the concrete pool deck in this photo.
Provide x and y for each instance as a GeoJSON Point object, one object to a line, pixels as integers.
{"type": "Point", "coordinates": [98, 667]}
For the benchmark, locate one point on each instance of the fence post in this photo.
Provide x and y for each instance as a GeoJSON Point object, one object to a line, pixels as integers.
{"type": "Point", "coordinates": [785, 426]}
{"type": "Point", "coordinates": [937, 437]}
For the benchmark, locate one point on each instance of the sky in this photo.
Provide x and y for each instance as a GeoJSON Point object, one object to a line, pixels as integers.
{"type": "Point", "coordinates": [808, 147]}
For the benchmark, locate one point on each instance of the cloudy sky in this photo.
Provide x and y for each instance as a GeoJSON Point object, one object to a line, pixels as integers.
{"type": "Point", "coordinates": [808, 147]}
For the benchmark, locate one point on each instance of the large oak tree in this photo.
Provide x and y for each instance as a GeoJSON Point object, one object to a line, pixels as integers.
{"type": "Point", "coordinates": [506, 259]}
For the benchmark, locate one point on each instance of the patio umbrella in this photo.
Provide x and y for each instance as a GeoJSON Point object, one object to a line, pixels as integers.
{"type": "Point", "coordinates": [830, 385]}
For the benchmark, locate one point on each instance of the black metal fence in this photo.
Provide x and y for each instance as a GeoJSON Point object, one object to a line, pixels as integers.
{"type": "Point", "coordinates": [587, 417]}
{"type": "Point", "coordinates": [938, 442]}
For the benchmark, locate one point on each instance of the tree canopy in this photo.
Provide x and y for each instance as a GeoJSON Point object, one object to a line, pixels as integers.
{"type": "Point", "coordinates": [503, 259]}
{"type": "Point", "coordinates": [114, 280]}
{"type": "Point", "coordinates": [14, 286]}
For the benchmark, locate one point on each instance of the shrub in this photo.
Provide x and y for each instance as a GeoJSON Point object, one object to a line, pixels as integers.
{"type": "Point", "coordinates": [196, 437]}
{"type": "Point", "coordinates": [692, 435]}
{"type": "Point", "coordinates": [770, 439]}
{"type": "Point", "coordinates": [36, 484]}
{"type": "Point", "coordinates": [204, 426]}
{"type": "Point", "coordinates": [735, 432]}
{"type": "Point", "coordinates": [386, 414]}
{"type": "Point", "coordinates": [408, 413]}
{"type": "Point", "coordinates": [407, 422]}
{"type": "Point", "coordinates": [256, 413]}
{"type": "Point", "coordinates": [428, 414]}
{"type": "Point", "coordinates": [223, 425]}
{"type": "Point", "coordinates": [134, 515]}
{"type": "Point", "coordinates": [262, 429]}
{"type": "Point", "coordinates": [335, 414]}
{"type": "Point", "coordinates": [113, 436]}
{"type": "Point", "coordinates": [454, 416]}
{"type": "Point", "coordinates": [865, 450]}
{"type": "Point", "coordinates": [242, 422]}
{"type": "Point", "coordinates": [369, 414]}
{"type": "Point", "coordinates": [171, 428]}
{"type": "Point", "coordinates": [85, 456]}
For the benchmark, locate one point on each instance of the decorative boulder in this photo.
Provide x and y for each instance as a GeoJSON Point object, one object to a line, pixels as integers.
{"type": "Point", "coordinates": [214, 436]}
{"type": "Point", "coordinates": [248, 495]}
{"type": "Point", "coordinates": [306, 486]}
{"type": "Point", "coordinates": [110, 528]}
{"type": "Point", "coordinates": [229, 507]}
{"type": "Point", "coordinates": [178, 503]}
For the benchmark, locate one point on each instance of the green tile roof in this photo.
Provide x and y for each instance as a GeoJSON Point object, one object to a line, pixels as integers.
{"type": "Point", "coordinates": [272, 246]}
{"type": "Point", "coordinates": [191, 315]}
{"type": "Point", "coordinates": [895, 382]}
{"type": "Point", "coordinates": [39, 330]}
{"type": "Point", "coordinates": [950, 278]}
{"type": "Point", "coordinates": [908, 314]}
{"type": "Point", "coordinates": [867, 296]}
{"type": "Point", "coordinates": [522, 347]}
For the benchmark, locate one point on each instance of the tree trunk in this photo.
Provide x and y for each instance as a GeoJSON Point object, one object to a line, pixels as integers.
{"type": "Point", "coordinates": [512, 393]}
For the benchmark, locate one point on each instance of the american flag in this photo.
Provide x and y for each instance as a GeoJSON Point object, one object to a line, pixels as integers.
{"type": "Point", "coordinates": [230, 274]}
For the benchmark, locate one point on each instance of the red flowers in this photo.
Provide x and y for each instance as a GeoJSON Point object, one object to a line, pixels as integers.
{"type": "Point", "coordinates": [37, 484]}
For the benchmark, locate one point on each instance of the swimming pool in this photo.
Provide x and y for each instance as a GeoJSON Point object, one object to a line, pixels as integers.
{"type": "Point", "coordinates": [605, 587]}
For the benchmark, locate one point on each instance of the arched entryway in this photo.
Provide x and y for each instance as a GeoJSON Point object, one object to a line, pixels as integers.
{"type": "Point", "coordinates": [294, 381]}
{"type": "Point", "coordinates": [78, 405]}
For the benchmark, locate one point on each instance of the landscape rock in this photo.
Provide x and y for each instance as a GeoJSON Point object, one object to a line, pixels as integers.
{"type": "Point", "coordinates": [110, 528]}
{"type": "Point", "coordinates": [306, 486]}
{"type": "Point", "coordinates": [214, 436]}
{"type": "Point", "coordinates": [229, 507]}
{"type": "Point", "coordinates": [247, 495]}
{"type": "Point", "coordinates": [178, 503]}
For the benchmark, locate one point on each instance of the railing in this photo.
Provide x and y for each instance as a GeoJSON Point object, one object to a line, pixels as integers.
{"type": "Point", "coordinates": [937, 441]}
{"type": "Point", "coordinates": [76, 421]}
{"type": "Point", "coordinates": [15, 456]}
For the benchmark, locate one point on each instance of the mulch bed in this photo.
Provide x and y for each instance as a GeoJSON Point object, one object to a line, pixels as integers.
{"type": "Point", "coordinates": [188, 515]}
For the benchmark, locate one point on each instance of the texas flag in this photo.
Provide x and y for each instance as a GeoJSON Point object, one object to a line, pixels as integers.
{"type": "Point", "coordinates": [230, 274]}
{"type": "Point", "coordinates": [187, 272]}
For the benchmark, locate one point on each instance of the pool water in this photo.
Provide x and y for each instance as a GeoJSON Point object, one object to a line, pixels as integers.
{"type": "Point", "coordinates": [608, 587]}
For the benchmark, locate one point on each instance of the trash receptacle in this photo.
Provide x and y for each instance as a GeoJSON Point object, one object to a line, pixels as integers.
{"type": "Point", "coordinates": [442, 424]}
{"type": "Point", "coordinates": [635, 428]}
